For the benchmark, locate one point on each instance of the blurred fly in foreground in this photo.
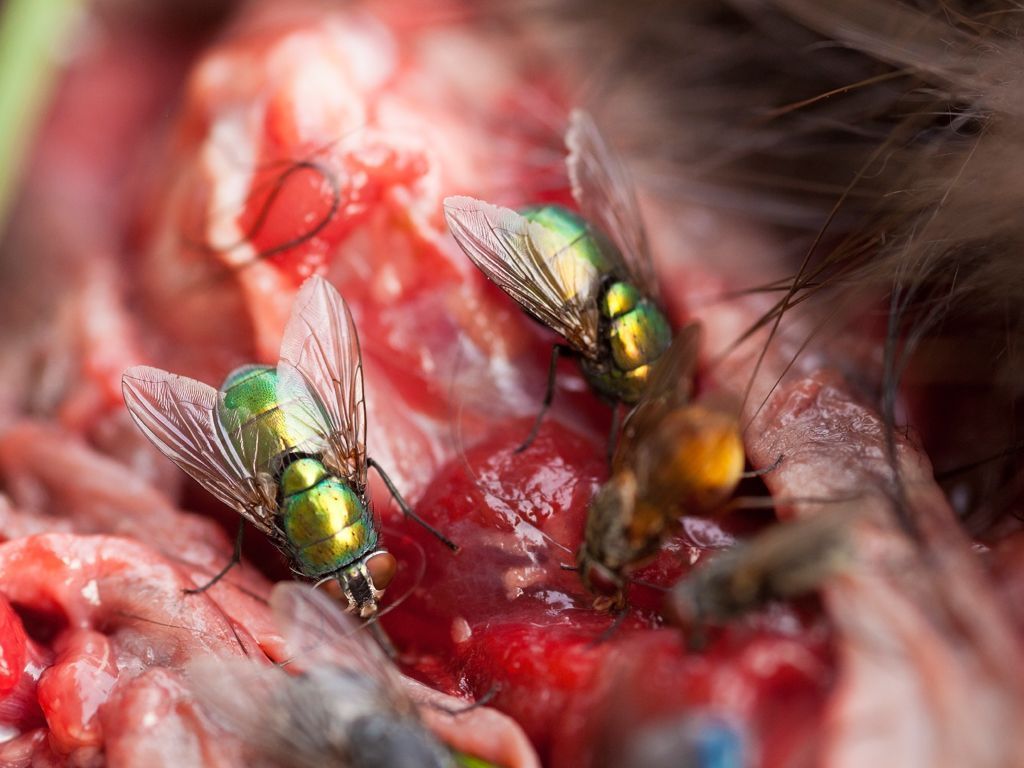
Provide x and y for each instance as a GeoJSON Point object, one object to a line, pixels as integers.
{"type": "Point", "coordinates": [784, 562]}
{"type": "Point", "coordinates": [345, 707]}
{"type": "Point", "coordinates": [589, 279]}
{"type": "Point", "coordinates": [674, 457]}
{"type": "Point", "coordinates": [285, 447]}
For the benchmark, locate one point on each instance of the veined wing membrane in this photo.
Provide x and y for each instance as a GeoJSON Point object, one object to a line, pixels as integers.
{"type": "Point", "coordinates": [319, 634]}
{"type": "Point", "coordinates": [605, 195]}
{"type": "Point", "coordinates": [303, 720]}
{"type": "Point", "coordinates": [532, 265]}
{"type": "Point", "coordinates": [180, 416]}
{"type": "Point", "coordinates": [320, 377]}
{"type": "Point", "coordinates": [269, 710]}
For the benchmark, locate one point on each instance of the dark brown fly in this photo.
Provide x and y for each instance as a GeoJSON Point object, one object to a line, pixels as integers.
{"type": "Point", "coordinates": [786, 561]}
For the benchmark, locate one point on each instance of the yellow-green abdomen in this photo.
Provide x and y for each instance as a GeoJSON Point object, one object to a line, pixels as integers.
{"type": "Point", "coordinates": [637, 333]}
{"type": "Point", "coordinates": [325, 522]}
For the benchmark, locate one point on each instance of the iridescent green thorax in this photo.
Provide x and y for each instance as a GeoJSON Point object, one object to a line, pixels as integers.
{"type": "Point", "coordinates": [575, 232]}
{"type": "Point", "coordinates": [253, 417]}
{"type": "Point", "coordinates": [325, 522]}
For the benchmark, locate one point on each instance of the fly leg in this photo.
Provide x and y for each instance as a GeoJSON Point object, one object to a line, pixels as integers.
{"type": "Point", "coordinates": [483, 701]}
{"type": "Point", "coordinates": [406, 510]}
{"type": "Point", "coordinates": [236, 558]}
{"type": "Point", "coordinates": [613, 434]}
{"type": "Point", "coordinates": [765, 471]}
{"type": "Point", "coordinates": [383, 640]}
{"type": "Point", "coordinates": [549, 394]}
{"type": "Point", "coordinates": [619, 612]}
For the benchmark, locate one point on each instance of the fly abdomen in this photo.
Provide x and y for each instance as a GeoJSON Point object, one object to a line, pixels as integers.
{"type": "Point", "coordinates": [639, 336]}
{"type": "Point", "coordinates": [636, 333]}
{"type": "Point", "coordinates": [326, 523]}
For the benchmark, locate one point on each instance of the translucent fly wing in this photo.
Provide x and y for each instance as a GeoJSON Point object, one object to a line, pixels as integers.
{"type": "Point", "coordinates": [605, 195]}
{"type": "Point", "coordinates": [672, 380]}
{"type": "Point", "coordinates": [532, 265]}
{"type": "Point", "coordinates": [319, 634]}
{"type": "Point", "coordinates": [282, 719]}
{"type": "Point", "coordinates": [320, 377]}
{"type": "Point", "coordinates": [670, 387]}
{"type": "Point", "coordinates": [180, 416]}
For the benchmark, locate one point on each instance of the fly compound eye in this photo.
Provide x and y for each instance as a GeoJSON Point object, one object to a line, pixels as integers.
{"type": "Point", "coordinates": [381, 566]}
{"type": "Point", "coordinates": [332, 588]}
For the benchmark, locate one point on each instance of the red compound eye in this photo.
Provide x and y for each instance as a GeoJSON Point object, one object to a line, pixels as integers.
{"type": "Point", "coordinates": [381, 566]}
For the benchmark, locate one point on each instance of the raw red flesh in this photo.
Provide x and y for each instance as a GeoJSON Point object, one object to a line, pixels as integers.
{"type": "Point", "coordinates": [503, 616]}
{"type": "Point", "coordinates": [22, 662]}
{"type": "Point", "coordinates": [928, 657]}
{"type": "Point", "coordinates": [924, 623]}
{"type": "Point", "coordinates": [453, 375]}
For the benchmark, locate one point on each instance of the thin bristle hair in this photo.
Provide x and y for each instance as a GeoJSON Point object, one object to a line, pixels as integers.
{"type": "Point", "coordinates": [883, 141]}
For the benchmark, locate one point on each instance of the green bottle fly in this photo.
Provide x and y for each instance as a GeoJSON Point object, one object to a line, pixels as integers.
{"type": "Point", "coordinates": [632, 331]}
{"type": "Point", "coordinates": [325, 522]}
{"type": "Point", "coordinates": [285, 446]}
{"type": "Point", "coordinates": [589, 278]}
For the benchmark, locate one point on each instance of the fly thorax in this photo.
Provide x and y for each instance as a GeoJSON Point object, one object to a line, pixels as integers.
{"type": "Point", "coordinates": [570, 235]}
{"type": "Point", "coordinates": [326, 523]}
{"type": "Point", "coordinates": [250, 412]}
{"type": "Point", "coordinates": [578, 255]}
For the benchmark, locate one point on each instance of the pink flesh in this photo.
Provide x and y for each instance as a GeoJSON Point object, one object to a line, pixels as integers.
{"type": "Point", "coordinates": [905, 653]}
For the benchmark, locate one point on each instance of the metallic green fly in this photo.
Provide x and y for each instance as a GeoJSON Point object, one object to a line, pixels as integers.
{"type": "Point", "coordinates": [285, 447]}
{"type": "Point", "coordinates": [589, 279]}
